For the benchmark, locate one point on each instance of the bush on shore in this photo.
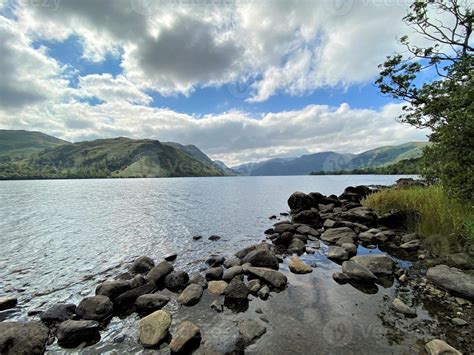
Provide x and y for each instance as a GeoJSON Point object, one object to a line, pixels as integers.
{"type": "Point", "coordinates": [446, 224]}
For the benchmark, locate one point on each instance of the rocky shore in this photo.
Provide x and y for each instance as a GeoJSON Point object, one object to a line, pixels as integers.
{"type": "Point", "coordinates": [338, 228]}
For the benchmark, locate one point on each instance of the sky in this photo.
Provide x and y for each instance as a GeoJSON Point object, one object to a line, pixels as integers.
{"type": "Point", "coordinates": [244, 80]}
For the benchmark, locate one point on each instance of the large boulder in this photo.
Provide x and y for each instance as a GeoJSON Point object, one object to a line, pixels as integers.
{"type": "Point", "coordinates": [187, 336]}
{"type": "Point", "coordinates": [232, 262]}
{"type": "Point", "coordinates": [440, 347]}
{"type": "Point", "coordinates": [153, 328]}
{"type": "Point", "coordinates": [453, 280]}
{"type": "Point", "coordinates": [95, 308]}
{"type": "Point", "coordinates": [339, 235]}
{"type": "Point", "coordinates": [7, 302]}
{"type": "Point", "coordinates": [284, 227]}
{"type": "Point", "coordinates": [299, 201]}
{"type": "Point", "coordinates": [337, 253]}
{"type": "Point", "coordinates": [297, 266]}
{"type": "Point", "coordinates": [159, 272]}
{"type": "Point", "coordinates": [378, 264]}
{"type": "Point", "coordinates": [142, 265]}
{"type": "Point", "coordinates": [251, 330]}
{"type": "Point", "coordinates": [274, 278]}
{"type": "Point", "coordinates": [262, 246]}
{"type": "Point", "coordinates": [23, 338]}
{"type": "Point", "coordinates": [357, 272]}
{"type": "Point", "coordinates": [362, 215]}
{"type": "Point", "coordinates": [149, 303]}
{"type": "Point", "coordinates": [261, 258]}
{"type": "Point", "coordinates": [217, 287]}
{"type": "Point", "coordinates": [59, 313]}
{"type": "Point", "coordinates": [232, 272]}
{"type": "Point", "coordinates": [215, 260]}
{"type": "Point", "coordinates": [128, 298]}
{"type": "Point", "coordinates": [236, 290]}
{"type": "Point", "coordinates": [191, 295]}
{"type": "Point", "coordinates": [113, 289]}
{"type": "Point", "coordinates": [296, 246]}
{"type": "Point", "coordinates": [310, 217]}
{"type": "Point", "coordinates": [72, 333]}
{"type": "Point", "coordinates": [176, 281]}
{"type": "Point", "coordinates": [214, 273]}
{"type": "Point", "coordinates": [307, 230]}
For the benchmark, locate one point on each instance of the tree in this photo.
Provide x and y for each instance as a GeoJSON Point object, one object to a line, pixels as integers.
{"type": "Point", "coordinates": [436, 81]}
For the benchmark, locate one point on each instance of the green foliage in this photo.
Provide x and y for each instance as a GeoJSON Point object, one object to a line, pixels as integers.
{"type": "Point", "coordinates": [444, 104]}
{"type": "Point", "coordinates": [444, 222]}
{"type": "Point", "coordinates": [407, 166]}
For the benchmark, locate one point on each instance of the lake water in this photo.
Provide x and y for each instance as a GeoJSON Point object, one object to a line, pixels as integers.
{"type": "Point", "coordinates": [59, 238]}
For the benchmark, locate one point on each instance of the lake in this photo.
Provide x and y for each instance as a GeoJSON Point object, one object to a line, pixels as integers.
{"type": "Point", "coordinates": [61, 237]}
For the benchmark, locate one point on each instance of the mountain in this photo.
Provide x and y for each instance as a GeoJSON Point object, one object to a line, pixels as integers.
{"type": "Point", "coordinates": [16, 144]}
{"type": "Point", "coordinates": [332, 161]}
{"type": "Point", "coordinates": [406, 166]}
{"type": "Point", "coordinates": [221, 165]}
{"type": "Point", "coordinates": [117, 157]}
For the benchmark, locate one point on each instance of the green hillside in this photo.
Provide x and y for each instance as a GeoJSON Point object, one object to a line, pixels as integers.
{"type": "Point", "coordinates": [16, 144]}
{"type": "Point", "coordinates": [118, 157]}
{"type": "Point", "coordinates": [407, 166]}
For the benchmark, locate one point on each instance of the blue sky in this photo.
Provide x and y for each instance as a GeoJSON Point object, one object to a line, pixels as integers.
{"type": "Point", "coordinates": [244, 81]}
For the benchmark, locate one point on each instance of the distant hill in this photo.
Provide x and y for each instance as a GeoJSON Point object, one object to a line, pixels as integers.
{"type": "Point", "coordinates": [18, 143]}
{"type": "Point", "coordinates": [332, 161]}
{"type": "Point", "coordinates": [412, 166]}
{"type": "Point", "coordinates": [117, 157]}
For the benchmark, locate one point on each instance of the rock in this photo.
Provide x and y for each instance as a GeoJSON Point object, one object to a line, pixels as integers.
{"type": "Point", "coordinates": [453, 280]}
{"type": "Point", "coordinates": [214, 238]}
{"type": "Point", "coordinates": [357, 272]}
{"type": "Point", "coordinates": [351, 248]}
{"type": "Point", "coordinates": [197, 278]}
{"type": "Point", "coordinates": [299, 201]}
{"type": "Point", "coordinates": [440, 347]}
{"type": "Point", "coordinates": [296, 246]}
{"type": "Point", "coordinates": [176, 281]}
{"type": "Point", "coordinates": [146, 304]}
{"type": "Point", "coordinates": [128, 298]}
{"type": "Point", "coordinates": [251, 330]}
{"type": "Point", "coordinates": [361, 215]}
{"type": "Point", "coordinates": [297, 266]}
{"type": "Point", "coordinates": [378, 264]}
{"type": "Point", "coordinates": [197, 237]}
{"type": "Point", "coordinates": [142, 265]}
{"type": "Point", "coordinates": [190, 295]}
{"type": "Point", "coordinates": [400, 306]}
{"type": "Point", "coordinates": [225, 338]}
{"type": "Point", "coordinates": [7, 302]}
{"type": "Point", "coordinates": [341, 277]}
{"type": "Point", "coordinates": [186, 336]}
{"type": "Point", "coordinates": [217, 306]}
{"type": "Point", "coordinates": [263, 293]}
{"type": "Point", "coordinates": [153, 328]}
{"type": "Point", "coordinates": [307, 230]}
{"type": "Point", "coordinates": [310, 250]}
{"type": "Point", "coordinates": [232, 262]}
{"type": "Point", "coordinates": [283, 239]}
{"type": "Point", "coordinates": [59, 313]}
{"type": "Point", "coordinates": [274, 278]}
{"type": "Point", "coordinates": [137, 281]}
{"type": "Point", "coordinates": [159, 272]}
{"type": "Point", "coordinates": [411, 245]}
{"type": "Point", "coordinates": [409, 237]}
{"type": "Point", "coordinates": [232, 272]}
{"type": "Point", "coordinates": [284, 214]}
{"type": "Point", "coordinates": [72, 333]}
{"type": "Point", "coordinates": [367, 237]}
{"type": "Point", "coordinates": [236, 291]}
{"type": "Point", "coordinates": [337, 253]}
{"type": "Point", "coordinates": [214, 273]}
{"type": "Point", "coordinates": [261, 258]}
{"type": "Point", "coordinates": [339, 235]}
{"type": "Point", "coordinates": [460, 260]}
{"type": "Point", "coordinates": [272, 217]}
{"type": "Point", "coordinates": [329, 223]}
{"type": "Point", "coordinates": [311, 217]}
{"type": "Point", "coordinates": [171, 257]}
{"type": "Point", "coordinates": [243, 253]}
{"type": "Point", "coordinates": [326, 208]}
{"type": "Point", "coordinates": [23, 338]}
{"type": "Point", "coordinates": [284, 227]}
{"type": "Point", "coordinates": [215, 260]}
{"type": "Point", "coordinates": [302, 237]}
{"type": "Point", "coordinates": [97, 308]}
{"type": "Point", "coordinates": [217, 287]}
{"type": "Point", "coordinates": [459, 322]}
{"type": "Point", "coordinates": [254, 286]}
{"type": "Point", "coordinates": [113, 289]}
{"type": "Point", "coordinates": [396, 219]}
{"type": "Point", "coordinates": [269, 231]}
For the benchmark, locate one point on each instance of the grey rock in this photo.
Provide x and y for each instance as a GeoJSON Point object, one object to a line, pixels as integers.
{"type": "Point", "coordinates": [297, 266]}
{"type": "Point", "coordinates": [151, 302]}
{"type": "Point", "coordinates": [409, 237]}
{"type": "Point", "coordinates": [153, 328]}
{"type": "Point", "coordinates": [190, 295]}
{"type": "Point", "coordinates": [400, 306]}
{"type": "Point", "coordinates": [171, 257]}
{"type": "Point", "coordinates": [232, 272]}
{"type": "Point", "coordinates": [440, 347]}
{"type": "Point", "coordinates": [285, 227]}
{"type": "Point", "coordinates": [197, 278]}
{"type": "Point", "coordinates": [459, 322]}
{"type": "Point", "coordinates": [411, 245]}
{"type": "Point", "coordinates": [296, 246]}
{"type": "Point", "coordinates": [23, 338]}
{"type": "Point", "coordinates": [217, 287]}
{"type": "Point", "coordinates": [262, 246]}
{"type": "Point", "coordinates": [95, 308]}
{"type": "Point", "coordinates": [215, 260]}
{"type": "Point", "coordinates": [351, 248]}
{"type": "Point", "coordinates": [217, 306]}
{"type": "Point", "coordinates": [274, 278]}
{"type": "Point", "coordinates": [264, 293]}
{"type": "Point", "coordinates": [378, 264]}
{"type": "Point", "coordinates": [357, 272]}
{"type": "Point", "coordinates": [329, 223]}
{"type": "Point", "coordinates": [261, 258]}
{"type": "Point", "coordinates": [339, 235]}
{"type": "Point", "coordinates": [142, 265]}
{"type": "Point", "coordinates": [453, 280]}
{"type": "Point", "coordinates": [232, 262]}
{"type": "Point", "coordinates": [214, 273]}
{"type": "Point", "coordinates": [236, 290]}
{"type": "Point", "coordinates": [337, 253]}
{"type": "Point", "coordinates": [224, 338]}
{"type": "Point", "coordinates": [254, 286]}
{"type": "Point", "coordinates": [59, 313]}
{"type": "Point", "coordinates": [299, 201]}
{"type": "Point", "coordinates": [7, 302]}
{"type": "Point", "coordinates": [251, 330]}
{"type": "Point", "coordinates": [214, 238]}
{"type": "Point", "coordinates": [311, 217]}
{"type": "Point", "coordinates": [159, 272]}
{"type": "Point", "coordinates": [113, 289]}
{"type": "Point", "coordinates": [341, 277]}
{"type": "Point", "coordinates": [185, 335]}
{"type": "Point", "coordinates": [72, 333]}
{"type": "Point", "coordinates": [128, 298]}
{"type": "Point", "coordinates": [367, 237]}
{"type": "Point", "coordinates": [176, 281]}
{"type": "Point", "coordinates": [307, 230]}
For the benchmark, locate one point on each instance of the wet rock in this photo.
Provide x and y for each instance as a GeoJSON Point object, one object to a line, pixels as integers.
{"type": "Point", "coordinates": [302, 237]}
{"type": "Point", "coordinates": [214, 238]}
{"type": "Point", "coordinates": [186, 337]}
{"type": "Point", "coordinates": [7, 302]}
{"type": "Point", "coordinates": [307, 230]}
{"type": "Point", "coordinates": [95, 308]}
{"type": "Point", "coordinates": [190, 295]}
{"type": "Point", "coordinates": [113, 289]}
{"type": "Point", "coordinates": [269, 231]}
{"type": "Point", "coordinates": [142, 265]}
{"type": "Point", "coordinates": [299, 201]}
{"type": "Point", "coordinates": [236, 291]}
{"type": "Point", "coordinates": [459, 322]}
{"type": "Point", "coordinates": [59, 313]}
{"type": "Point", "coordinates": [251, 330]}
{"type": "Point", "coordinates": [137, 281]}
{"type": "Point", "coordinates": [283, 239]}
{"type": "Point", "coordinates": [453, 280]}
{"type": "Point", "coordinates": [153, 328]}
{"type": "Point", "coordinates": [337, 253]}
{"type": "Point", "coordinates": [329, 223]}
{"type": "Point", "coordinates": [378, 264]}
{"type": "Point", "coordinates": [243, 253]}
{"type": "Point", "coordinates": [217, 287]}
{"type": "Point", "coordinates": [224, 338]}
{"type": "Point", "coordinates": [215, 260]}
{"type": "Point", "coordinates": [272, 217]}
{"type": "Point", "coordinates": [232, 272]}
{"type": "Point", "coordinates": [232, 262]}
{"type": "Point", "coordinates": [351, 248]}
{"type": "Point", "coordinates": [171, 257]}
{"type": "Point", "coordinates": [339, 235]}
{"type": "Point", "coordinates": [176, 281]}
{"type": "Point", "coordinates": [284, 227]}
{"type": "Point", "coordinates": [409, 237]}
{"type": "Point", "coordinates": [340, 277]}
{"type": "Point", "coordinates": [264, 293]}
{"type": "Point", "coordinates": [396, 219]}
{"type": "Point", "coordinates": [159, 272]}
{"type": "Point", "coordinates": [460, 260]}
{"type": "Point", "coordinates": [297, 266]}
{"type": "Point", "coordinates": [23, 338]}
{"type": "Point", "coordinates": [357, 272]}
{"type": "Point", "coordinates": [311, 217]}
{"type": "Point", "coordinates": [72, 333]}
{"type": "Point", "coordinates": [128, 298]}
{"type": "Point", "coordinates": [254, 286]}
{"type": "Point", "coordinates": [197, 278]}
{"type": "Point", "coordinates": [400, 306]}
{"type": "Point", "coordinates": [217, 306]}
{"type": "Point", "coordinates": [197, 237]}
{"type": "Point", "coordinates": [367, 237]}
{"type": "Point", "coordinates": [214, 273]}
{"type": "Point", "coordinates": [440, 347]}
{"type": "Point", "coordinates": [261, 258]}
{"type": "Point", "coordinates": [274, 278]}
{"type": "Point", "coordinates": [296, 246]}
{"type": "Point", "coordinates": [411, 245]}
{"type": "Point", "coordinates": [310, 250]}
{"type": "Point", "coordinates": [361, 215]}
{"type": "Point", "coordinates": [149, 303]}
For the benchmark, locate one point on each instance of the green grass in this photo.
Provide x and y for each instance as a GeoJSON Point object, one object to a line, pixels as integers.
{"type": "Point", "coordinates": [447, 225]}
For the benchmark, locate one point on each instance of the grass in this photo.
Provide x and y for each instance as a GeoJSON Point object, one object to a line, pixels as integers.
{"type": "Point", "coordinates": [447, 225]}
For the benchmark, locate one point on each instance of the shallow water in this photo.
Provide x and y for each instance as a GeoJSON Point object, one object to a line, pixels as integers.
{"type": "Point", "coordinates": [61, 237]}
